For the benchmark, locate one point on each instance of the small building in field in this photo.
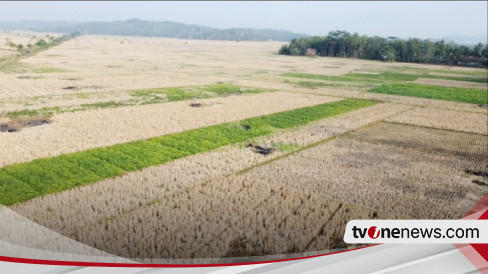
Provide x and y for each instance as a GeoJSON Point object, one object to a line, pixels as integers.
{"type": "Point", "coordinates": [469, 61]}
{"type": "Point", "coordinates": [311, 52]}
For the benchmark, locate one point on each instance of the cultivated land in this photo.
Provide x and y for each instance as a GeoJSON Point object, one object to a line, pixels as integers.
{"type": "Point", "coordinates": [164, 149]}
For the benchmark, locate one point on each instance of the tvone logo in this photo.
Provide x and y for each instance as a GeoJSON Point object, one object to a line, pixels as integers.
{"type": "Point", "coordinates": [373, 232]}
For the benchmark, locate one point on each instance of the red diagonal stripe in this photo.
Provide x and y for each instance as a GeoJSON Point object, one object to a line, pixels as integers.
{"type": "Point", "coordinates": [482, 249]}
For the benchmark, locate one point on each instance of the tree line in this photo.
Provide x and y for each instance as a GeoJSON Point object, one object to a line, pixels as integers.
{"type": "Point", "coordinates": [41, 44]}
{"type": "Point", "coordinates": [413, 50]}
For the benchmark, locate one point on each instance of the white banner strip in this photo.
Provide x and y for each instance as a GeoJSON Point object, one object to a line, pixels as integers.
{"type": "Point", "coordinates": [416, 231]}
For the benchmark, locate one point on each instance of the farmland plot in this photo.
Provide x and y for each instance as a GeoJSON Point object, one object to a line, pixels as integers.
{"type": "Point", "coordinates": [444, 119]}
{"type": "Point", "coordinates": [354, 92]}
{"type": "Point", "coordinates": [228, 218]}
{"type": "Point", "coordinates": [142, 63]}
{"type": "Point", "coordinates": [21, 182]}
{"type": "Point", "coordinates": [70, 132]}
{"type": "Point", "coordinates": [295, 204]}
{"type": "Point", "coordinates": [302, 202]}
{"type": "Point", "coordinates": [187, 198]}
{"type": "Point", "coordinates": [450, 83]}
{"type": "Point", "coordinates": [60, 211]}
{"type": "Point", "coordinates": [465, 95]}
{"type": "Point", "coordinates": [405, 170]}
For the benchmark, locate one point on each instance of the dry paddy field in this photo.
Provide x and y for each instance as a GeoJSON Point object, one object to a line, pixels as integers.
{"type": "Point", "coordinates": [167, 150]}
{"type": "Point", "coordinates": [19, 37]}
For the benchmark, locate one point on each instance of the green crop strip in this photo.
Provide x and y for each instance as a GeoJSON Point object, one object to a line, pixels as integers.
{"type": "Point", "coordinates": [312, 85]}
{"type": "Point", "coordinates": [465, 95]}
{"type": "Point", "coordinates": [324, 77]}
{"type": "Point", "coordinates": [456, 78]}
{"type": "Point", "coordinates": [358, 77]}
{"type": "Point", "coordinates": [385, 76]}
{"type": "Point", "coordinates": [21, 182]}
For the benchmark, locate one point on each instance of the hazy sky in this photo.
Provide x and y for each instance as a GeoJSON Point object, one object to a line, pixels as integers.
{"type": "Point", "coordinates": [404, 19]}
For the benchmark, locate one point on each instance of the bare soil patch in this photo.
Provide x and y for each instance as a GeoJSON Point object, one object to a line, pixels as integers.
{"type": "Point", "coordinates": [18, 124]}
{"type": "Point", "coordinates": [69, 87]}
{"type": "Point", "coordinates": [479, 182]}
{"type": "Point", "coordinates": [261, 150]}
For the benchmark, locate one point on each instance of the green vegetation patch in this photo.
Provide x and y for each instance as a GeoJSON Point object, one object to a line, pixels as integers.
{"type": "Point", "coordinates": [21, 182]}
{"type": "Point", "coordinates": [14, 68]}
{"type": "Point", "coordinates": [229, 88]}
{"type": "Point", "coordinates": [318, 77]}
{"type": "Point", "coordinates": [305, 115]}
{"type": "Point", "coordinates": [109, 104]}
{"type": "Point", "coordinates": [480, 72]}
{"type": "Point", "coordinates": [465, 95]}
{"type": "Point", "coordinates": [309, 84]}
{"type": "Point", "coordinates": [49, 70]}
{"type": "Point", "coordinates": [287, 147]}
{"type": "Point", "coordinates": [456, 78]}
{"type": "Point", "coordinates": [357, 77]}
{"type": "Point", "coordinates": [22, 68]}
{"type": "Point", "coordinates": [34, 112]}
{"type": "Point", "coordinates": [385, 76]}
{"type": "Point", "coordinates": [13, 190]}
{"type": "Point", "coordinates": [157, 95]}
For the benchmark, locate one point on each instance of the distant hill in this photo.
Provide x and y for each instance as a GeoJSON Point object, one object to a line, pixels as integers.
{"type": "Point", "coordinates": [466, 40]}
{"type": "Point", "coordinates": [136, 27]}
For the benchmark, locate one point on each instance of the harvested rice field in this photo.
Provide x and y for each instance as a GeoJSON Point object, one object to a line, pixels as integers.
{"type": "Point", "coordinates": [163, 150]}
{"type": "Point", "coordinates": [19, 37]}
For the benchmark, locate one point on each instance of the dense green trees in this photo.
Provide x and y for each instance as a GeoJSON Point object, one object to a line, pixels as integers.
{"type": "Point", "coordinates": [413, 50]}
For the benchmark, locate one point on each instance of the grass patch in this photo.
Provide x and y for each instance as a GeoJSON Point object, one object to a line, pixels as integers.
{"type": "Point", "coordinates": [150, 96]}
{"type": "Point", "coordinates": [83, 95]}
{"type": "Point", "coordinates": [309, 84]}
{"type": "Point", "coordinates": [21, 68]}
{"type": "Point", "coordinates": [14, 68]}
{"type": "Point", "coordinates": [109, 104]}
{"type": "Point", "coordinates": [34, 112]}
{"type": "Point", "coordinates": [386, 76]}
{"type": "Point", "coordinates": [21, 182]}
{"type": "Point", "coordinates": [222, 89]}
{"type": "Point", "coordinates": [464, 95]}
{"type": "Point", "coordinates": [49, 70]}
{"type": "Point", "coordinates": [179, 94]}
{"type": "Point", "coordinates": [317, 76]}
{"type": "Point", "coordinates": [456, 78]}
{"type": "Point", "coordinates": [313, 84]}
{"type": "Point", "coordinates": [357, 77]}
{"type": "Point", "coordinates": [287, 147]}
{"type": "Point", "coordinates": [481, 72]}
